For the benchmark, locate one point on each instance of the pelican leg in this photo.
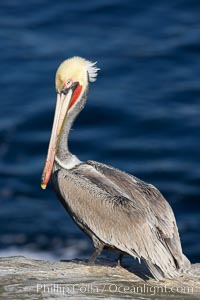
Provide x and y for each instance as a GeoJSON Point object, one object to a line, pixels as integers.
{"type": "Point", "coordinates": [119, 259]}
{"type": "Point", "coordinates": [94, 255]}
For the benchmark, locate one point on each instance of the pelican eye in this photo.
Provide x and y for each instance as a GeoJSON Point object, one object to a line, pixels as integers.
{"type": "Point", "coordinates": [66, 86]}
{"type": "Point", "coordinates": [68, 83]}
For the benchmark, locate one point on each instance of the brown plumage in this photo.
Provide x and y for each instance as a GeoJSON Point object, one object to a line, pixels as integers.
{"type": "Point", "coordinates": [116, 210]}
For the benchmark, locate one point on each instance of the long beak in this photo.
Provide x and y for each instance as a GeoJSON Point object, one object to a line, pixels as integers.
{"type": "Point", "coordinates": [62, 107]}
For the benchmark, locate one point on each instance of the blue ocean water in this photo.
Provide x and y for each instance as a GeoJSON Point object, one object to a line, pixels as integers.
{"type": "Point", "coordinates": [142, 115]}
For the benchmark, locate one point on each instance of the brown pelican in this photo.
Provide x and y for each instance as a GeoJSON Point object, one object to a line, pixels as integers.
{"type": "Point", "coordinates": [116, 210]}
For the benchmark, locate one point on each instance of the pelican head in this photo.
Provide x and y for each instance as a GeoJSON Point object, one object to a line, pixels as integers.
{"type": "Point", "coordinates": [72, 79]}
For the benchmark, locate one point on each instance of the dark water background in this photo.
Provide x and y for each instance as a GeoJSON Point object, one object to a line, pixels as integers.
{"type": "Point", "coordinates": [142, 115]}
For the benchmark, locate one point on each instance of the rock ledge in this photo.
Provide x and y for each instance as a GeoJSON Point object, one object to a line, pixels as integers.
{"type": "Point", "coordinates": [22, 278]}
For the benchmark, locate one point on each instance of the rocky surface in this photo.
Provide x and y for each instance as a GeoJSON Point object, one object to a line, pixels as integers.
{"type": "Point", "coordinates": [22, 278]}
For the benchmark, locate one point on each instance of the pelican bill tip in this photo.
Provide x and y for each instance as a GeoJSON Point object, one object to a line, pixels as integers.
{"type": "Point", "coordinates": [43, 186]}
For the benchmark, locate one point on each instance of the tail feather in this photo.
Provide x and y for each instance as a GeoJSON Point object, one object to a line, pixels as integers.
{"type": "Point", "coordinates": [167, 260]}
{"type": "Point", "coordinates": [155, 270]}
{"type": "Point", "coordinates": [182, 262]}
{"type": "Point", "coordinates": [187, 264]}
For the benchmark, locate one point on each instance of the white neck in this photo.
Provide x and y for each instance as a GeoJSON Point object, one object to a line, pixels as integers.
{"type": "Point", "coordinates": [70, 162]}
